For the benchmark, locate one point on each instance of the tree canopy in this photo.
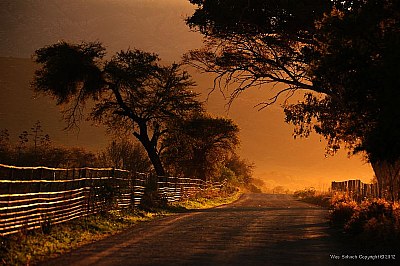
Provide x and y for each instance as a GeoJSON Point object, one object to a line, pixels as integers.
{"type": "Point", "coordinates": [132, 91]}
{"type": "Point", "coordinates": [251, 43]}
{"type": "Point", "coordinates": [342, 54]}
{"type": "Point", "coordinates": [200, 144]}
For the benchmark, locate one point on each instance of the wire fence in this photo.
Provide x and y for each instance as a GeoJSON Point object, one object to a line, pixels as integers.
{"type": "Point", "coordinates": [32, 197]}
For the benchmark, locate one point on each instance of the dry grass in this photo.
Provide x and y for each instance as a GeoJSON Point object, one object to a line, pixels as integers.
{"type": "Point", "coordinates": [30, 247]}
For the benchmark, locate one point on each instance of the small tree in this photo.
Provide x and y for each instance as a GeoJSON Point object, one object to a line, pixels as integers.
{"type": "Point", "coordinates": [38, 138]}
{"type": "Point", "coordinates": [132, 91]}
{"type": "Point", "coordinates": [243, 170]}
{"type": "Point", "coordinates": [125, 154]}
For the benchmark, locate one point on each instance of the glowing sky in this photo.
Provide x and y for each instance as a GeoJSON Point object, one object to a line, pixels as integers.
{"type": "Point", "coordinates": [158, 26]}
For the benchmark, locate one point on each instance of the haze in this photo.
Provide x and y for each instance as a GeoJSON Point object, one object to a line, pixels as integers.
{"type": "Point", "coordinates": [155, 26]}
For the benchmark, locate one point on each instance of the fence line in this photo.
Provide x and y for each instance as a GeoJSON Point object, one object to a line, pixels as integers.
{"type": "Point", "coordinates": [32, 197]}
{"type": "Point", "coordinates": [356, 189]}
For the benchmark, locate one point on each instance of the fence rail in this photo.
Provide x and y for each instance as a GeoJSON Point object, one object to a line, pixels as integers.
{"type": "Point", "coordinates": [31, 197]}
{"type": "Point", "coordinates": [356, 189]}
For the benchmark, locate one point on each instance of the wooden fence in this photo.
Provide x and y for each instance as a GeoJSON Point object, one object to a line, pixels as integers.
{"type": "Point", "coordinates": [30, 197]}
{"type": "Point", "coordinates": [356, 189]}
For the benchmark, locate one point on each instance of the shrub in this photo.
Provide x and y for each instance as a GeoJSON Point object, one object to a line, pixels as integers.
{"type": "Point", "coordinates": [372, 221]}
{"type": "Point", "coordinates": [376, 220]}
{"type": "Point", "coordinates": [343, 208]}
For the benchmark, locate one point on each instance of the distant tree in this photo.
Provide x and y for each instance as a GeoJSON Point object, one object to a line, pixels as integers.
{"type": "Point", "coordinates": [125, 154]}
{"type": "Point", "coordinates": [243, 170]}
{"type": "Point", "coordinates": [79, 157]}
{"type": "Point", "coordinates": [198, 145]}
{"type": "Point", "coordinates": [4, 138]}
{"type": "Point", "coordinates": [280, 190]}
{"type": "Point", "coordinates": [34, 148]}
{"type": "Point", "coordinates": [5, 147]}
{"type": "Point", "coordinates": [23, 139]}
{"type": "Point", "coordinates": [343, 54]}
{"type": "Point", "coordinates": [58, 157]}
{"type": "Point", "coordinates": [238, 172]}
{"type": "Point", "coordinates": [132, 91]}
{"type": "Point", "coordinates": [38, 138]}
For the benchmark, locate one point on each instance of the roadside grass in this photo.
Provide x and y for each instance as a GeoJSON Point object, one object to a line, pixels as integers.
{"type": "Point", "coordinates": [322, 200]}
{"type": "Point", "coordinates": [310, 195]}
{"type": "Point", "coordinates": [206, 200]}
{"type": "Point", "coordinates": [26, 248]}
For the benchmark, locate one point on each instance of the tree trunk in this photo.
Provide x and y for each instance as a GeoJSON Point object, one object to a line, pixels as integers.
{"type": "Point", "coordinates": [388, 176]}
{"type": "Point", "coordinates": [155, 160]}
{"type": "Point", "coordinates": [151, 149]}
{"type": "Point", "coordinates": [152, 197]}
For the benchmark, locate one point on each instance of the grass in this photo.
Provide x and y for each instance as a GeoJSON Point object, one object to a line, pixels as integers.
{"type": "Point", "coordinates": [310, 195]}
{"type": "Point", "coordinates": [322, 200]}
{"type": "Point", "coordinates": [33, 246]}
{"type": "Point", "coordinates": [30, 247]}
{"type": "Point", "coordinates": [202, 201]}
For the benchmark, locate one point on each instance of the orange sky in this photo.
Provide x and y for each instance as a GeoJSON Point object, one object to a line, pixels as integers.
{"type": "Point", "coordinates": [158, 26]}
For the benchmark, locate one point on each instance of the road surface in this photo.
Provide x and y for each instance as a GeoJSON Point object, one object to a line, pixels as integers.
{"type": "Point", "coordinates": [258, 229]}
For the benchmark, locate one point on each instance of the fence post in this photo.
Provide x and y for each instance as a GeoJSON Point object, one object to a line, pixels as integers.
{"type": "Point", "coordinates": [132, 175]}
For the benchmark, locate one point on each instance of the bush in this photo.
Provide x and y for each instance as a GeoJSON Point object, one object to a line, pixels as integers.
{"type": "Point", "coordinates": [376, 220]}
{"type": "Point", "coordinates": [343, 208]}
{"type": "Point", "coordinates": [372, 221]}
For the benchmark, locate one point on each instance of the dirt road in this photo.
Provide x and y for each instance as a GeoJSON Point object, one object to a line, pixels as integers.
{"type": "Point", "coordinates": [258, 229]}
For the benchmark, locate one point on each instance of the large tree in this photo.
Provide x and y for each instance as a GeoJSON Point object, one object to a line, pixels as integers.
{"type": "Point", "coordinates": [357, 64]}
{"type": "Point", "coordinates": [343, 54]}
{"type": "Point", "coordinates": [132, 91]}
{"type": "Point", "coordinates": [251, 43]}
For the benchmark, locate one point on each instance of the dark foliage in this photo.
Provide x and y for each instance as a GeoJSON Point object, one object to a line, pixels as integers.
{"type": "Point", "coordinates": [343, 54]}
{"type": "Point", "coordinates": [132, 91]}
{"type": "Point", "coordinates": [199, 145]}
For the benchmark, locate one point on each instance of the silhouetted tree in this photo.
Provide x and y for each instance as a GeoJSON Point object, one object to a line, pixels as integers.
{"type": "Point", "coordinates": [357, 64]}
{"type": "Point", "coordinates": [5, 147]}
{"type": "Point", "coordinates": [198, 145]}
{"type": "Point", "coordinates": [79, 157]}
{"type": "Point", "coordinates": [251, 43]}
{"type": "Point", "coordinates": [34, 148]}
{"type": "Point", "coordinates": [242, 169]}
{"type": "Point", "coordinates": [133, 92]}
{"type": "Point", "coordinates": [38, 138]}
{"type": "Point", "coordinates": [125, 154]}
{"type": "Point", "coordinates": [343, 54]}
